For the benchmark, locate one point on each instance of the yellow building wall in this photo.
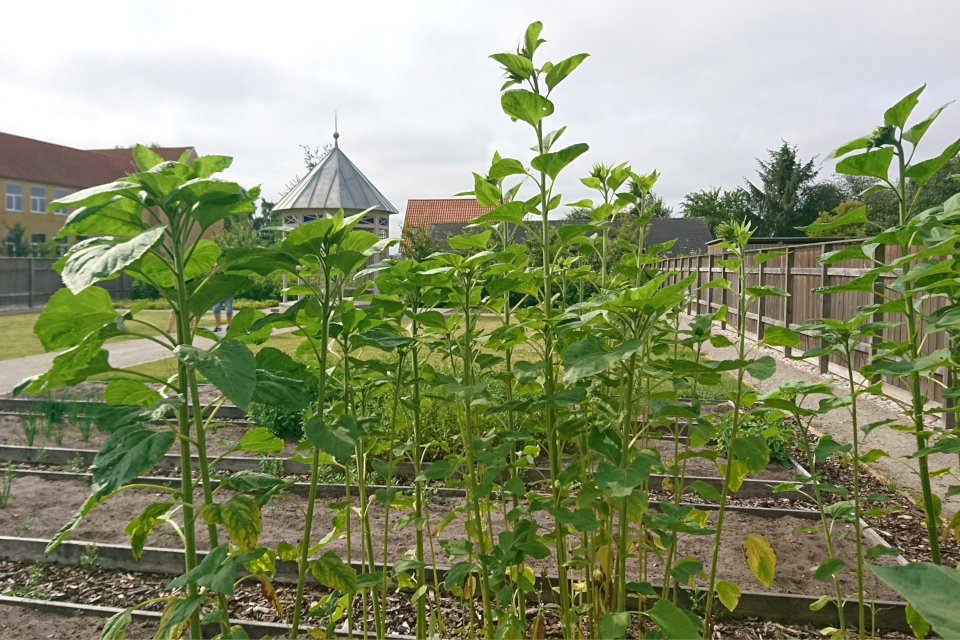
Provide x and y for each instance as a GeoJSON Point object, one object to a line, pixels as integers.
{"type": "Point", "coordinates": [46, 222]}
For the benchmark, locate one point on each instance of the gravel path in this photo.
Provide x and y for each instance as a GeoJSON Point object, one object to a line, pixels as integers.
{"type": "Point", "coordinates": [898, 468]}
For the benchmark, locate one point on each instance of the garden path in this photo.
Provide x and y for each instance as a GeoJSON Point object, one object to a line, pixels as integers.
{"type": "Point", "coordinates": [898, 468]}
{"type": "Point", "coordinates": [122, 354]}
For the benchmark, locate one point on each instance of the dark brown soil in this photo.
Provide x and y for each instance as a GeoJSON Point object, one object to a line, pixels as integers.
{"type": "Point", "coordinates": [120, 589]}
{"type": "Point", "coordinates": [39, 508]}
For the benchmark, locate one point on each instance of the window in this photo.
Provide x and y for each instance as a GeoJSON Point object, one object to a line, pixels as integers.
{"type": "Point", "coordinates": [309, 217]}
{"type": "Point", "coordinates": [14, 197]}
{"type": "Point", "coordinates": [384, 221]}
{"type": "Point", "coordinates": [57, 195]}
{"type": "Point", "coordinates": [38, 238]}
{"type": "Point", "coordinates": [383, 234]}
{"type": "Point", "coordinates": [38, 199]}
{"type": "Point", "coordinates": [367, 220]}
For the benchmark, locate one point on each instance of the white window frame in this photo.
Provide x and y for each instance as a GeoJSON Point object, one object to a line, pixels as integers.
{"type": "Point", "coordinates": [57, 195]}
{"type": "Point", "coordinates": [38, 242]}
{"type": "Point", "coordinates": [38, 204]}
{"type": "Point", "coordinates": [383, 234]}
{"type": "Point", "coordinates": [11, 199]}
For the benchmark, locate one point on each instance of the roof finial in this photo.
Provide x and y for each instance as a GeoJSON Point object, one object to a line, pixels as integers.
{"type": "Point", "coordinates": [336, 134]}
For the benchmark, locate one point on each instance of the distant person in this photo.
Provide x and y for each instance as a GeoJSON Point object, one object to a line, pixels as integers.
{"type": "Point", "coordinates": [216, 313]}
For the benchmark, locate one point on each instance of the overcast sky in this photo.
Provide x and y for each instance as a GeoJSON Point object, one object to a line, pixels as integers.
{"type": "Point", "coordinates": [696, 90]}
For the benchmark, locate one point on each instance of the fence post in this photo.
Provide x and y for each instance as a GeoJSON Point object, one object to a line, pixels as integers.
{"type": "Point", "coordinates": [825, 304]}
{"type": "Point", "coordinates": [710, 263]}
{"type": "Point", "coordinates": [696, 285]}
{"type": "Point", "coordinates": [761, 302]}
{"type": "Point", "coordinates": [723, 292]}
{"type": "Point", "coordinates": [31, 280]}
{"type": "Point", "coordinates": [788, 285]}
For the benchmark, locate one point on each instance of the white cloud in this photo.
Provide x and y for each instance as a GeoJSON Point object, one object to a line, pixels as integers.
{"type": "Point", "coordinates": [696, 89]}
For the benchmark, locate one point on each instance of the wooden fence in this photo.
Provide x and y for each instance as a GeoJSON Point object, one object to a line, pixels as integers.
{"type": "Point", "coordinates": [27, 283]}
{"type": "Point", "coordinates": [799, 273]}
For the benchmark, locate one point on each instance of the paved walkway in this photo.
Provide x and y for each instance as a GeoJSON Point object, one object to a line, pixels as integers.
{"type": "Point", "coordinates": [897, 468]}
{"type": "Point", "coordinates": [126, 353]}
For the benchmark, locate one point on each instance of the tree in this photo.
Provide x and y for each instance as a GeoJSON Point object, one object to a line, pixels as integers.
{"type": "Point", "coordinates": [940, 187]}
{"type": "Point", "coordinates": [16, 244]}
{"type": "Point", "coordinates": [717, 206]}
{"type": "Point", "coordinates": [816, 197]}
{"type": "Point", "coordinates": [311, 158]}
{"type": "Point", "coordinates": [417, 245]}
{"type": "Point", "coordinates": [239, 233]}
{"type": "Point", "coordinates": [847, 230]}
{"type": "Point", "coordinates": [783, 178]}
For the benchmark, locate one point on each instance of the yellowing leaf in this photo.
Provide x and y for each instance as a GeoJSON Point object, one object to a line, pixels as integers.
{"type": "Point", "coordinates": [728, 593]}
{"type": "Point", "coordinates": [761, 558]}
{"type": "Point", "coordinates": [240, 516]}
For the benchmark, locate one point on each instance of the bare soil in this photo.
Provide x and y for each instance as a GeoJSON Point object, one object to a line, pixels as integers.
{"type": "Point", "coordinates": [20, 622]}
{"type": "Point", "coordinates": [11, 433]}
{"type": "Point", "coordinates": [38, 508]}
{"type": "Point", "coordinates": [708, 468]}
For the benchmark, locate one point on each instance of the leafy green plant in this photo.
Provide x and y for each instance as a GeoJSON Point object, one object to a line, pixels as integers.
{"type": "Point", "coordinates": [922, 268]}
{"type": "Point", "coordinates": [748, 453]}
{"type": "Point", "coordinates": [149, 225]}
{"type": "Point", "coordinates": [6, 486]}
{"type": "Point", "coordinates": [55, 431]}
{"type": "Point", "coordinates": [75, 465]}
{"type": "Point", "coordinates": [271, 465]}
{"type": "Point", "coordinates": [771, 428]}
{"type": "Point", "coordinates": [30, 422]}
{"type": "Point", "coordinates": [90, 559]}
{"type": "Point", "coordinates": [53, 409]}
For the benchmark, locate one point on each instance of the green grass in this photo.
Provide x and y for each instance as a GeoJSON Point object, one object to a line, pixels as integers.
{"type": "Point", "coordinates": [20, 340]}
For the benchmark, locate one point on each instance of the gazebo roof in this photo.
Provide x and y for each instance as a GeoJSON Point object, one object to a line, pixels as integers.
{"type": "Point", "coordinates": [335, 183]}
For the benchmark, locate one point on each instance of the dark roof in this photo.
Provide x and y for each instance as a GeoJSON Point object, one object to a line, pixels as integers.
{"type": "Point", "coordinates": [27, 159]}
{"type": "Point", "coordinates": [692, 234]}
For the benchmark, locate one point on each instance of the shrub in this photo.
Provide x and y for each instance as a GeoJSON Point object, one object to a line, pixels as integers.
{"type": "Point", "coordinates": [281, 422]}
{"type": "Point", "coordinates": [143, 291]}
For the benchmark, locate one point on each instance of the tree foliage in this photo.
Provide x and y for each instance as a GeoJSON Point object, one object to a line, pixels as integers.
{"type": "Point", "coordinates": [716, 206]}
{"type": "Point", "coordinates": [776, 198]}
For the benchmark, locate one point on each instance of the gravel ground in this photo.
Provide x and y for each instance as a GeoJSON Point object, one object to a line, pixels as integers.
{"type": "Point", "coordinates": [897, 469]}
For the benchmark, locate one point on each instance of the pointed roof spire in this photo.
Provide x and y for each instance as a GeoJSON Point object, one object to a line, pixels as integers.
{"type": "Point", "coordinates": [335, 183]}
{"type": "Point", "coordinates": [336, 133]}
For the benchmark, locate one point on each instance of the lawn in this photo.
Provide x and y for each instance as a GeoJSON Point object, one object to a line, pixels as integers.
{"type": "Point", "coordinates": [19, 339]}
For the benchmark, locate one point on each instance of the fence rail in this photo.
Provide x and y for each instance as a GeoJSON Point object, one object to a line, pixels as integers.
{"type": "Point", "coordinates": [27, 283]}
{"type": "Point", "coordinates": [799, 273]}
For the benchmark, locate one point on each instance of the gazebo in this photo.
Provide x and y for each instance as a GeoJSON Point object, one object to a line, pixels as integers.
{"type": "Point", "coordinates": [336, 183]}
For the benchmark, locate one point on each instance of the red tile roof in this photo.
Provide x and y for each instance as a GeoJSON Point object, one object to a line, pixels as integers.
{"type": "Point", "coordinates": [27, 159]}
{"type": "Point", "coordinates": [423, 213]}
